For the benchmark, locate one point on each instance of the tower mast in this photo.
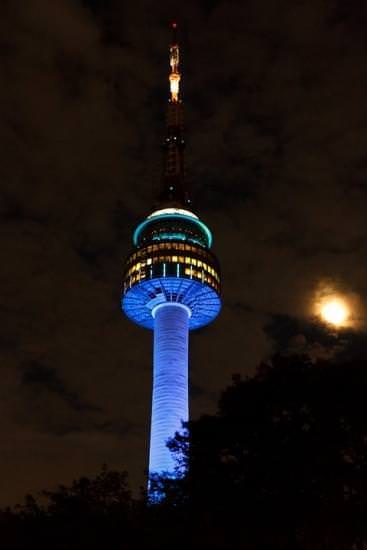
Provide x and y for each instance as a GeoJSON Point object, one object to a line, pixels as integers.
{"type": "Point", "coordinates": [173, 190]}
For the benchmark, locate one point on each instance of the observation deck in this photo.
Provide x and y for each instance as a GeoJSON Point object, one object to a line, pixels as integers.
{"type": "Point", "coordinates": [172, 262]}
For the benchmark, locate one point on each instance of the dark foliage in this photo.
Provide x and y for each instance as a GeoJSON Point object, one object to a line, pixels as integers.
{"type": "Point", "coordinates": [85, 515]}
{"type": "Point", "coordinates": [284, 462]}
{"type": "Point", "coordinates": [282, 465]}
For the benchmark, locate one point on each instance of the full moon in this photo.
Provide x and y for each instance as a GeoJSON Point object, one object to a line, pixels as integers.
{"type": "Point", "coordinates": [334, 311]}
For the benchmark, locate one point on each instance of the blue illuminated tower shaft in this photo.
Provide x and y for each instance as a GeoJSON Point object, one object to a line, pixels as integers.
{"type": "Point", "coordinates": [170, 381]}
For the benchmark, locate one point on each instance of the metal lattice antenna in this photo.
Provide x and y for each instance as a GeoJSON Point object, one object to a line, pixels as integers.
{"type": "Point", "coordinates": [173, 190]}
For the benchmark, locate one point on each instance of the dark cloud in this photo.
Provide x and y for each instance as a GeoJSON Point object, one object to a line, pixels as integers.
{"type": "Point", "coordinates": [40, 377]}
{"type": "Point", "coordinates": [276, 126]}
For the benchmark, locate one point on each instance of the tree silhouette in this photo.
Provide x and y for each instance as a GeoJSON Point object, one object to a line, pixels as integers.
{"type": "Point", "coordinates": [87, 514]}
{"type": "Point", "coordinates": [282, 465]}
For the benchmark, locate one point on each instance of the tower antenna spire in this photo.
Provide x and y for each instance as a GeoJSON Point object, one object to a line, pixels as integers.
{"type": "Point", "coordinates": [174, 61]}
{"type": "Point", "coordinates": [172, 189]}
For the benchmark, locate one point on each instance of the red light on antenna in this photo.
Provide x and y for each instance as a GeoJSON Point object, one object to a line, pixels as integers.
{"type": "Point", "coordinates": [174, 25]}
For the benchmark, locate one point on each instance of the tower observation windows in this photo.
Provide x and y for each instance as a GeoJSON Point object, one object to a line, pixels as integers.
{"type": "Point", "coordinates": [166, 260]}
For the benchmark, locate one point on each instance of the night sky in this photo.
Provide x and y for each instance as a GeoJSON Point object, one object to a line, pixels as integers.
{"type": "Point", "coordinates": [276, 117]}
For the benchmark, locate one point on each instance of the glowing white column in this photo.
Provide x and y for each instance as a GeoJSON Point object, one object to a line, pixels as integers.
{"type": "Point", "coordinates": [170, 381]}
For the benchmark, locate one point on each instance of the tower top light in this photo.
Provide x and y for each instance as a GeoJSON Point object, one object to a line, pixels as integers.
{"type": "Point", "coordinates": [174, 60]}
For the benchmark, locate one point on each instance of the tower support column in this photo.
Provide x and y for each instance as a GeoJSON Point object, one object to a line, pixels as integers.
{"type": "Point", "coordinates": [170, 381]}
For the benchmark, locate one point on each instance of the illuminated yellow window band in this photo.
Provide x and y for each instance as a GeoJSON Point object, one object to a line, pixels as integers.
{"type": "Point", "coordinates": [140, 266]}
{"type": "Point", "coordinates": [176, 248]}
{"type": "Point", "coordinates": [194, 269]}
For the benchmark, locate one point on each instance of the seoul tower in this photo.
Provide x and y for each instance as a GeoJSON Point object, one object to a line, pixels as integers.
{"type": "Point", "coordinates": [171, 281]}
